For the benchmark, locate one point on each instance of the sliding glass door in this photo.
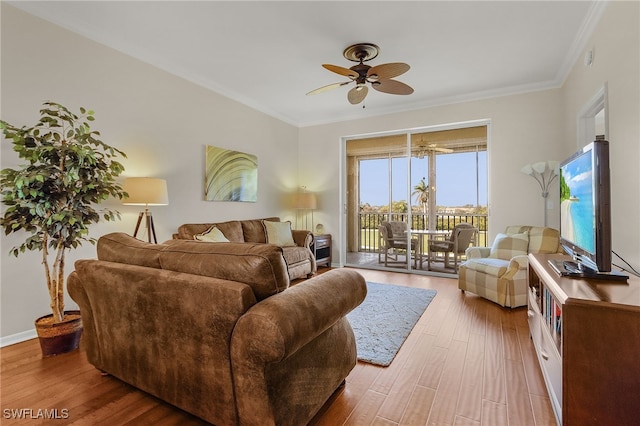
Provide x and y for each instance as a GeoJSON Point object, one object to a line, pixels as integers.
{"type": "Point", "coordinates": [382, 194]}
{"type": "Point", "coordinates": [428, 180]}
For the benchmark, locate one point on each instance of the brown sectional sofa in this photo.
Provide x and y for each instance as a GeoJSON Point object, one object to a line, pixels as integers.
{"type": "Point", "coordinates": [301, 262]}
{"type": "Point", "coordinates": [213, 328]}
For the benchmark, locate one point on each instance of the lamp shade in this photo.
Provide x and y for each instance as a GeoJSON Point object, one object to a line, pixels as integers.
{"type": "Point", "coordinates": [306, 201]}
{"type": "Point", "coordinates": [539, 167]}
{"type": "Point", "coordinates": [549, 167]}
{"type": "Point", "coordinates": [527, 170]}
{"type": "Point", "coordinates": [144, 191]}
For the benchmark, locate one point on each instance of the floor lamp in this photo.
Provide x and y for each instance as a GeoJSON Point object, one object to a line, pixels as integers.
{"type": "Point", "coordinates": [146, 192]}
{"type": "Point", "coordinates": [544, 172]}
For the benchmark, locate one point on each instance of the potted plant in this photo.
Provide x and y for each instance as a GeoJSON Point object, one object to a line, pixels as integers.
{"type": "Point", "coordinates": [51, 198]}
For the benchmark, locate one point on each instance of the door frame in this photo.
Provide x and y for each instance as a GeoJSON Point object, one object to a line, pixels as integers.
{"type": "Point", "coordinates": [342, 225]}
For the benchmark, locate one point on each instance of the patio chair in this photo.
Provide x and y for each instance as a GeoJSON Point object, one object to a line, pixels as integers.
{"type": "Point", "coordinates": [393, 241]}
{"type": "Point", "coordinates": [462, 236]}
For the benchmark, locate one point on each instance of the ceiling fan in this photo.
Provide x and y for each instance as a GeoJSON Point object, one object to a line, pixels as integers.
{"type": "Point", "coordinates": [424, 149]}
{"type": "Point", "coordinates": [380, 77]}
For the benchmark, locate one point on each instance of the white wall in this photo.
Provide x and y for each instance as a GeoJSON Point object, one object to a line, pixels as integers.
{"type": "Point", "coordinates": [616, 47]}
{"type": "Point", "coordinates": [161, 122]}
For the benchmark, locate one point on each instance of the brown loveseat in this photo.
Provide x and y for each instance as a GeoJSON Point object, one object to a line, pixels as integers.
{"type": "Point", "coordinates": [213, 328]}
{"type": "Point", "coordinates": [301, 263]}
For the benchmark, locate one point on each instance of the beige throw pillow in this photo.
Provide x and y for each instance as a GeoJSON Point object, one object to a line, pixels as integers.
{"type": "Point", "coordinates": [507, 246]}
{"type": "Point", "coordinates": [279, 233]}
{"type": "Point", "coordinates": [211, 235]}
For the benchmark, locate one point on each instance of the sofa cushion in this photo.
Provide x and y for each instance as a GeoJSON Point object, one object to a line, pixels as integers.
{"type": "Point", "coordinates": [295, 254]}
{"type": "Point", "coordinates": [232, 230]}
{"type": "Point", "coordinates": [250, 231]}
{"type": "Point", "coordinates": [261, 266]}
{"type": "Point", "coordinates": [122, 248]}
{"type": "Point", "coordinates": [254, 231]}
{"type": "Point", "coordinates": [488, 265]}
{"type": "Point", "coordinates": [544, 240]}
{"type": "Point", "coordinates": [212, 235]}
{"type": "Point", "coordinates": [517, 229]}
{"type": "Point", "coordinates": [507, 246]}
{"type": "Point", "coordinates": [279, 233]}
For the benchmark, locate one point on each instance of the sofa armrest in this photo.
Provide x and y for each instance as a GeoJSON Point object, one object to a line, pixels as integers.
{"type": "Point", "coordinates": [302, 238]}
{"type": "Point", "coordinates": [293, 338]}
{"type": "Point", "coordinates": [281, 324]}
{"type": "Point", "coordinates": [517, 265]}
{"type": "Point", "coordinates": [519, 262]}
{"type": "Point", "coordinates": [477, 252]}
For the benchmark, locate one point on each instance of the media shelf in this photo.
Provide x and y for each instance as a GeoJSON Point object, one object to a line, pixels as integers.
{"type": "Point", "coordinates": [586, 334]}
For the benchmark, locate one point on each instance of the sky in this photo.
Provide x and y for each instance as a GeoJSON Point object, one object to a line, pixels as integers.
{"type": "Point", "coordinates": [455, 179]}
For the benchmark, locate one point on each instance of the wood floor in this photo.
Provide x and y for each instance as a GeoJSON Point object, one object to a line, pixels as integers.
{"type": "Point", "coordinates": [467, 362]}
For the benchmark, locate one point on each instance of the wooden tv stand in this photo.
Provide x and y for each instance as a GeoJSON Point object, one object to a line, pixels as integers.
{"type": "Point", "coordinates": [587, 338]}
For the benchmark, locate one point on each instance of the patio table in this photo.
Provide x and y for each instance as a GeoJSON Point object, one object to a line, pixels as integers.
{"type": "Point", "coordinates": [420, 233]}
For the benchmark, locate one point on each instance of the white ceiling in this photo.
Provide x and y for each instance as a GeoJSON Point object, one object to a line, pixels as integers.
{"type": "Point", "coordinates": [268, 54]}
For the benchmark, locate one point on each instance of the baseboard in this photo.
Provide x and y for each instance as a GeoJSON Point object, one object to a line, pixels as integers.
{"type": "Point", "coordinates": [17, 338]}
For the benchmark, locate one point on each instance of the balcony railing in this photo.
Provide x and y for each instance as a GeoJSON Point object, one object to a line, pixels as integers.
{"type": "Point", "coordinates": [369, 222]}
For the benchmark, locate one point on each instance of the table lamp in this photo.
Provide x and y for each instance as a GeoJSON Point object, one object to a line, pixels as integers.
{"type": "Point", "coordinates": [306, 201]}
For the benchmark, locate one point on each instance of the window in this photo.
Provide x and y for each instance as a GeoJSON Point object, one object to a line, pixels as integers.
{"type": "Point", "coordinates": [431, 179]}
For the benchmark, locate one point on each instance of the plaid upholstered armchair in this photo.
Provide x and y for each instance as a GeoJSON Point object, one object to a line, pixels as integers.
{"type": "Point", "coordinates": [499, 273]}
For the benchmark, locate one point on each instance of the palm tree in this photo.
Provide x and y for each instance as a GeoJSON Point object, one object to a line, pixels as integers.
{"type": "Point", "coordinates": [421, 191]}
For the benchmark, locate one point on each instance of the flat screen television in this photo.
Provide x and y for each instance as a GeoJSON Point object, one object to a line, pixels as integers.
{"type": "Point", "coordinates": [585, 210]}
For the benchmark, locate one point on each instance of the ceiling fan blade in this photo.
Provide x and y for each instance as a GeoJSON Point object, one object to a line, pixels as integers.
{"type": "Point", "coordinates": [341, 70]}
{"type": "Point", "coordinates": [440, 149]}
{"type": "Point", "coordinates": [357, 94]}
{"type": "Point", "coordinates": [327, 87]}
{"type": "Point", "coordinates": [393, 87]}
{"type": "Point", "coordinates": [386, 71]}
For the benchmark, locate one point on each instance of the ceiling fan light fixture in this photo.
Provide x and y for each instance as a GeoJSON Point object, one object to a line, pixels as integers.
{"type": "Point", "coordinates": [379, 76]}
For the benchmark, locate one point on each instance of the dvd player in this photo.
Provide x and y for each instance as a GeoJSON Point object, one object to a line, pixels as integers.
{"type": "Point", "coordinates": [572, 269]}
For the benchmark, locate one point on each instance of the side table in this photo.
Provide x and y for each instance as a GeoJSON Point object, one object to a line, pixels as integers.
{"type": "Point", "coordinates": [322, 249]}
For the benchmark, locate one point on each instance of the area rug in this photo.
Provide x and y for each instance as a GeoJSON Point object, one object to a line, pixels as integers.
{"type": "Point", "coordinates": [384, 320]}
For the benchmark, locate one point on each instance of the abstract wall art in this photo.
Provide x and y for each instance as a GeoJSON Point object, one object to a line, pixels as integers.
{"type": "Point", "coordinates": [230, 175]}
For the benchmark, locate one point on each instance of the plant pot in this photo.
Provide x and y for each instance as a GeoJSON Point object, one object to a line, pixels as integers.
{"type": "Point", "coordinates": [62, 337]}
